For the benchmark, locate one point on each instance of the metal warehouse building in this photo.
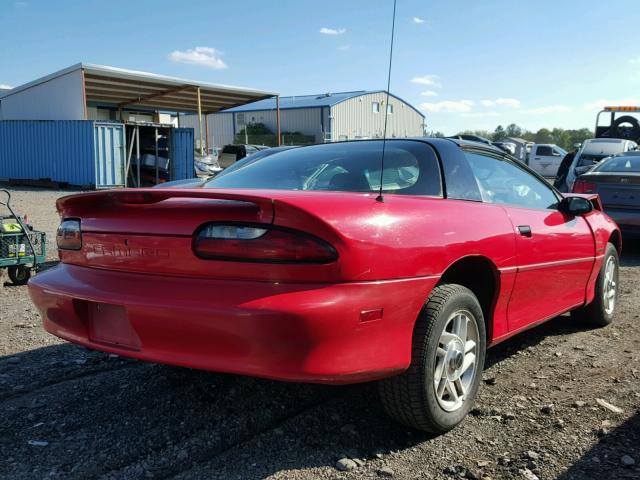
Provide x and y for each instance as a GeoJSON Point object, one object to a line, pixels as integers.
{"type": "Point", "coordinates": [101, 126]}
{"type": "Point", "coordinates": [324, 118]}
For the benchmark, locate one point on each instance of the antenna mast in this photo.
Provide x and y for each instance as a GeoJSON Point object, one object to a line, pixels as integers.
{"type": "Point", "coordinates": [380, 198]}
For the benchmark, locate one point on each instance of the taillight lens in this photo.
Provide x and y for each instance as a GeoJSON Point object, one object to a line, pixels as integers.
{"type": "Point", "coordinates": [69, 235]}
{"type": "Point", "coordinates": [260, 243]}
{"type": "Point", "coordinates": [581, 186]}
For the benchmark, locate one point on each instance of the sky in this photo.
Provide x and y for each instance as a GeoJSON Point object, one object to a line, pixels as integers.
{"type": "Point", "coordinates": [466, 64]}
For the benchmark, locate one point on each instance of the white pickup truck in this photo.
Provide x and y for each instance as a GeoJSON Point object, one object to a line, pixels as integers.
{"type": "Point", "coordinates": [545, 158]}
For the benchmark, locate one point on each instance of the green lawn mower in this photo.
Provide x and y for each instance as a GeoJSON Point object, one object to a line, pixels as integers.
{"type": "Point", "coordinates": [22, 248]}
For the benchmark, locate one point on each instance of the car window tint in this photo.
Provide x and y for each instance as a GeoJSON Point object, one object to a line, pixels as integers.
{"type": "Point", "coordinates": [626, 164]}
{"type": "Point", "coordinates": [544, 151]}
{"type": "Point", "coordinates": [502, 181]}
{"type": "Point", "coordinates": [410, 168]}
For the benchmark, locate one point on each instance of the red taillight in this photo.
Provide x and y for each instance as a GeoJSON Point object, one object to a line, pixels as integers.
{"type": "Point", "coordinates": [260, 243]}
{"type": "Point", "coordinates": [69, 235]}
{"type": "Point", "coordinates": [581, 186]}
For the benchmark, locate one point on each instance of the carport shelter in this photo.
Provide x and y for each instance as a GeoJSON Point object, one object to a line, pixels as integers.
{"type": "Point", "coordinates": [103, 127]}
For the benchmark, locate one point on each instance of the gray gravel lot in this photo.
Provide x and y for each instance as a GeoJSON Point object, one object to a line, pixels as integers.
{"type": "Point", "coordinates": [69, 413]}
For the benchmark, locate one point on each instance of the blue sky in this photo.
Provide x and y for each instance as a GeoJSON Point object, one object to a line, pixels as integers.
{"type": "Point", "coordinates": [466, 64]}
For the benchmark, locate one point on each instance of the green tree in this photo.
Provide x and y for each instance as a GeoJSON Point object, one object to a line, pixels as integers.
{"type": "Point", "coordinates": [499, 134]}
{"type": "Point", "coordinates": [513, 130]}
{"type": "Point", "coordinates": [256, 129]}
{"type": "Point", "coordinates": [543, 136]}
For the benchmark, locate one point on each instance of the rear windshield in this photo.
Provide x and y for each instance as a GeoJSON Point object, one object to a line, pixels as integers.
{"type": "Point", "coordinates": [410, 168]}
{"type": "Point", "coordinates": [620, 164]}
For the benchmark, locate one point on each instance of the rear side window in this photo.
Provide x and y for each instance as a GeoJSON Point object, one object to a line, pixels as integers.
{"type": "Point", "coordinates": [625, 164]}
{"type": "Point", "coordinates": [410, 168]}
{"type": "Point", "coordinates": [504, 182]}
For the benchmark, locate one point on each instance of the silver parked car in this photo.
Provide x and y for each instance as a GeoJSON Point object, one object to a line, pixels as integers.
{"type": "Point", "coordinates": [592, 151]}
{"type": "Point", "coordinates": [617, 180]}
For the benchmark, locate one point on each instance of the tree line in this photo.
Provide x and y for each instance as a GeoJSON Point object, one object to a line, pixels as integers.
{"type": "Point", "coordinates": [567, 139]}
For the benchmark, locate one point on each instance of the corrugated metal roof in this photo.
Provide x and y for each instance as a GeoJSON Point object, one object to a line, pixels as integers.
{"type": "Point", "coordinates": [309, 101]}
{"type": "Point", "coordinates": [119, 86]}
{"type": "Point", "coordinates": [300, 101]}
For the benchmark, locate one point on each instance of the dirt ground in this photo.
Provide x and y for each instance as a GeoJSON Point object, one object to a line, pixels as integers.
{"type": "Point", "coordinates": [69, 413]}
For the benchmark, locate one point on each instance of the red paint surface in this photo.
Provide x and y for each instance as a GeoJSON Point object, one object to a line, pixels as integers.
{"type": "Point", "coordinates": [303, 322]}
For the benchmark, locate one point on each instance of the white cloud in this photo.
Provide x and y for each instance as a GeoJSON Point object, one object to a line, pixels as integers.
{"type": "Point", "coordinates": [550, 109]}
{"type": "Point", "coordinates": [501, 102]}
{"type": "Point", "coordinates": [448, 106]}
{"type": "Point", "coordinates": [635, 61]}
{"type": "Point", "coordinates": [429, 80]}
{"type": "Point", "coordinates": [332, 31]}
{"type": "Point", "coordinates": [418, 20]}
{"type": "Point", "coordinates": [429, 93]}
{"type": "Point", "coordinates": [344, 47]}
{"type": "Point", "coordinates": [205, 56]}
{"type": "Point", "coordinates": [603, 102]}
{"type": "Point", "coordinates": [481, 114]}
{"type": "Point", "coordinates": [4, 86]}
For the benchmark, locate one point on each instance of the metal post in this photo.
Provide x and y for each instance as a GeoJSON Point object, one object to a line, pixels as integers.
{"type": "Point", "coordinates": [278, 117]}
{"type": "Point", "coordinates": [157, 168]}
{"type": "Point", "coordinates": [200, 124]}
{"type": "Point", "coordinates": [138, 153]}
{"type": "Point", "coordinates": [206, 132]}
{"type": "Point", "coordinates": [84, 95]}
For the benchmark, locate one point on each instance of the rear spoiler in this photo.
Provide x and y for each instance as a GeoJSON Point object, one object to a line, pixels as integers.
{"type": "Point", "coordinates": [146, 196]}
{"type": "Point", "coordinates": [594, 198]}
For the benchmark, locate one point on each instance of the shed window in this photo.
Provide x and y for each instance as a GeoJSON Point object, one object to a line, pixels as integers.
{"type": "Point", "coordinates": [375, 107]}
{"type": "Point", "coordinates": [390, 108]}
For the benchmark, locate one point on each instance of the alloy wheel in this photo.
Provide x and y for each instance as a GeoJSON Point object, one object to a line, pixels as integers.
{"type": "Point", "coordinates": [455, 366]}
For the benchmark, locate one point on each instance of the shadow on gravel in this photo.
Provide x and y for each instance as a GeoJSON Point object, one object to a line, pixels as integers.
{"type": "Point", "coordinates": [71, 413]}
{"type": "Point", "coordinates": [605, 459]}
{"type": "Point", "coordinates": [630, 253]}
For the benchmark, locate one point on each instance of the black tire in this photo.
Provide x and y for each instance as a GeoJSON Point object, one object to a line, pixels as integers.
{"type": "Point", "coordinates": [595, 313]}
{"type": "Point", "coordinates": [19, 274]}
{"type": "Point", "coordinates": [410, 397]}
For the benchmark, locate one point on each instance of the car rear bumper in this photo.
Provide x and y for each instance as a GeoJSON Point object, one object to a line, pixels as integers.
{"type": "Point", "coordinates": [297, 332]}
{"type": "Point", "coordinates": [627, 220]}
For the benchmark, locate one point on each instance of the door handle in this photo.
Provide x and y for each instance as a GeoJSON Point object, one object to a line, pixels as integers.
{"type": "Point", "coordinates": [524, 230]}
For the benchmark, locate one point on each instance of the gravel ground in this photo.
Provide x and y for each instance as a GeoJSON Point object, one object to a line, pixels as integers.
{"type": "Point", "coordinates": [69, 413]}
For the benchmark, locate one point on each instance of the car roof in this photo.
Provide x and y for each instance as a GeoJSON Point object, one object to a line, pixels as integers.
{"type": "Point", "coordinates": [471, 144]}
{"type": "Point", "coordinates": [630, 153]}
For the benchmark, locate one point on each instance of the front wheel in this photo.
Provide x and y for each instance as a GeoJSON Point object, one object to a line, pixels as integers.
{"type": "Point", "coordinates": [438, 389]}
{"type": "Point", "coordinates": [19, 274]}
{"type": "Point", "coordinates": [600, 311]}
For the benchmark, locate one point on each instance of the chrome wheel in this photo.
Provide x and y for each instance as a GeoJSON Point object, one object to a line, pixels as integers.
{"type": "Point", "coordinates": [455, 366]}
{"type": "Point", "coordinates": [609, 288]}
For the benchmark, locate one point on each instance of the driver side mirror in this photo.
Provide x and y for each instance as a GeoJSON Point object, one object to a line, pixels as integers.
{"type": "Point", "coordinates": [575, 206]}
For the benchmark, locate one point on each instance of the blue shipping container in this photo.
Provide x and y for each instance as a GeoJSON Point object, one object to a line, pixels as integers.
{"type": "Point", "coordinates": [59, 150]}
{"type": "Point", "coordinates": [78, 152]}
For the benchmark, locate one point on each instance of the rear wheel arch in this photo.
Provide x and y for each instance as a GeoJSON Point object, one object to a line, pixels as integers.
{"type": "Point", "coordinates": [480, 275]}
{"type": "Point", "coordinates": [616, 240]}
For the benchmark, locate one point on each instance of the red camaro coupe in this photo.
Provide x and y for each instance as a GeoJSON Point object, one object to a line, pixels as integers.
{"type": "Point", "coordinates": [294, 268]}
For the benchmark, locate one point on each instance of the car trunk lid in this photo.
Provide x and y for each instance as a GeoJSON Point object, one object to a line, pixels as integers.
{"type": "Point", "coordinates": [618, 191]}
